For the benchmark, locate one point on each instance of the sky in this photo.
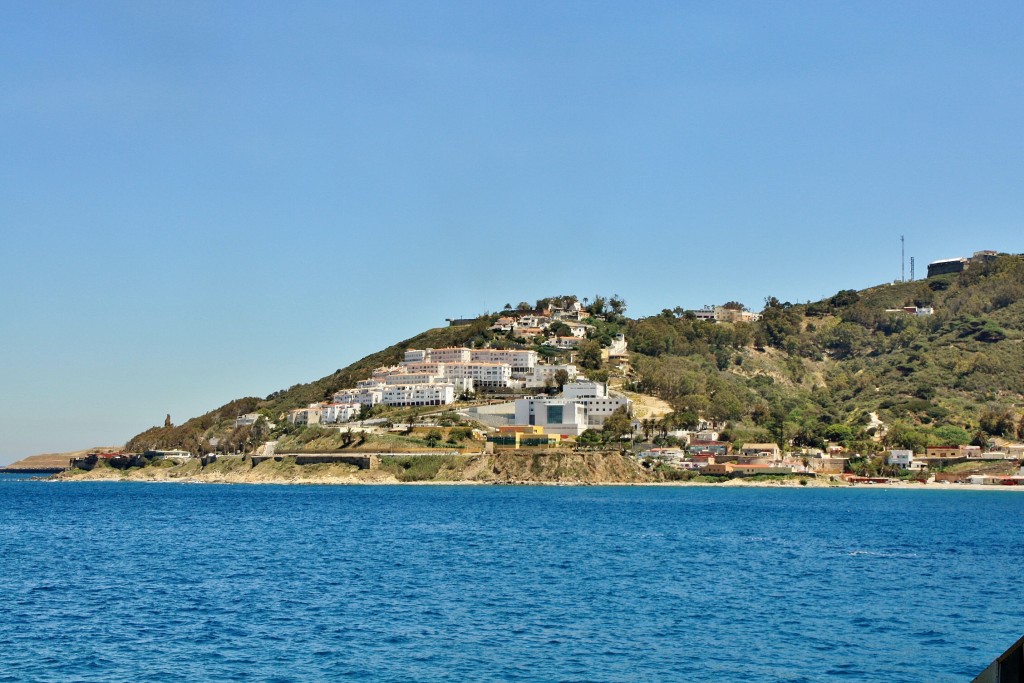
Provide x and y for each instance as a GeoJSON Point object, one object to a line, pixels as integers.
{"type": "Point", "coordinates": [206, 200]}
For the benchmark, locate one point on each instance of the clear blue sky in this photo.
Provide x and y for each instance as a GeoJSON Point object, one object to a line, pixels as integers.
{"type": "Point", "coordinates": [208, 200]}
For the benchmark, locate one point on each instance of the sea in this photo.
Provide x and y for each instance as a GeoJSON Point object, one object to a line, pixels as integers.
{"type": "Point", "coordinates": [198, 582]}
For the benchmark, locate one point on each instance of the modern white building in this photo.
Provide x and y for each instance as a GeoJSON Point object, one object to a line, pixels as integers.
{"type": "Point", "coordinates": [555, 415]}
{"type": "Point", "coordinates": [904, 459]}
{"type": "Point", "coordinates": [592, 396]}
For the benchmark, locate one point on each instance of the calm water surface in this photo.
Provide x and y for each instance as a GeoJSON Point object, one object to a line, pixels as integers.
{"type": "Point", "coordinates": [166, 582]}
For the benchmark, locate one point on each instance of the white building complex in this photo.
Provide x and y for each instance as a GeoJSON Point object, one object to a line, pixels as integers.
{"type": "Point", "coordinates": [436, 377]}
{"type": "Point", "coordinates": [581, 405]}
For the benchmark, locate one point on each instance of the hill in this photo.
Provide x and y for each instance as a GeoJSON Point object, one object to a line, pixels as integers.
{"type": "Point", "coordinates": [53, 462]}
{"type": "Point", "coordinates": [855, 368]}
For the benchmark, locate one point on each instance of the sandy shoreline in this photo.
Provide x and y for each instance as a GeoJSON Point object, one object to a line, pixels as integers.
{"type": "Point", "coordinates": [391, 481]}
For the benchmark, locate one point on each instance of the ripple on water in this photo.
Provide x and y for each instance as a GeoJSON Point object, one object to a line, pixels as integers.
{"type": "Point", "coordinates": [502, 584]}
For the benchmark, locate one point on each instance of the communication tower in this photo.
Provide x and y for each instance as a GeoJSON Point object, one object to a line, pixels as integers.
{"type": "Point", "coordinates": [903, 262]}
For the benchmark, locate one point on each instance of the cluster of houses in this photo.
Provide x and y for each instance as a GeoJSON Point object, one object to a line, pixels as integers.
{"type": "Point", "coordinates": [703, 451]}
{"type": "Point", "coordinates": [941, 456]}
{"type": "Point", "coordinates": [723, 314]}
{"type": "Point", "coordinates": [533, 324]}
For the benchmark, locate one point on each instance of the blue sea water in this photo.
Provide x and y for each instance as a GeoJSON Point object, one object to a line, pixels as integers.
{"type": "Point", "coordinates": [169, 582]}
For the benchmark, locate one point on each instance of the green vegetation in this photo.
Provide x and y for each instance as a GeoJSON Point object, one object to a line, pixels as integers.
{"type": "Point", "coordinates": [807, 374]}
{"type": "Point", "coordinates": [804, 375]}
{"type": "Point", "coordinates": [424, 467]}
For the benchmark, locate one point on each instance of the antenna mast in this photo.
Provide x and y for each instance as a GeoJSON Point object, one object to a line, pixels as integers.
{"type": "Point", "coordinates": [911, 268]}
{"type": "Point", "coordinates": [903, 262]}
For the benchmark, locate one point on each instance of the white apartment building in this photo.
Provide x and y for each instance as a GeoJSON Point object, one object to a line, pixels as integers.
{"type": "Point", "coordinates": [411, 378]}
{"type": "Point", "coordinates": [540, 374]}
{"type": "Point", "coordinates": [429, 367]}
{"type": "Point", "coordinates": [419, 394]}
{"type": "Point", "coordinates": [365, 395]}
{"type": "Point", "coordinates": [455, 354]}
{"type": "Point", "coordinates": [333, 413]}
{"type": "Point", "coordinates": [521, 360]}
{"type": "Point", "coordinates": [415, 355]}
{"type": "Point", "coordinates": [496, 375]}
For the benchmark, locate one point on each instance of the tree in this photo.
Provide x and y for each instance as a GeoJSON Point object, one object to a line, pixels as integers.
{"type": "Point", "coordinates": [647, 425]}
{"type": "Point", "coordinates": [589, 438]}
{"type": "Point", "coordinates": [997, 422]}
{"type": "Point", "coordinates": [433, 437]}
{"type": "Point", "coordinates": [589, 355]}
{"type": "Point", "coordinates": [951, 435]}
{"type": "Point", "coordinates": [559, 329]}
{"type": "Point", "coordinates": [618, 424]}
{"type": "Point", "coordinates": [561, 377]}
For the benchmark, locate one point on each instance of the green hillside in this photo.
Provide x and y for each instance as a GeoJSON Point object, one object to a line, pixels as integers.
{"type": "Point", "coordinates": [809, 373]}
{"type": "Point", "coordinates": [804, 374]}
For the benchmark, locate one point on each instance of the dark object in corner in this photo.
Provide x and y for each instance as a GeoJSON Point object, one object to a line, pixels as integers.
{"type": "Point", "coordinates": [1007, 668]}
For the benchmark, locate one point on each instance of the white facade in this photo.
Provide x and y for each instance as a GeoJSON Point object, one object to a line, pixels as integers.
{"type": "Point", "coordinates": [365, 395]}
{"type": "Point", "coordinates": [455, 354]}
{"type": "Point", "coordinates": [585, 389]}
{"type": "Point", "coordinates": [579, 329]}
{"type": "Point", "coordinates": [593, 396]}
{"type": "Point", "coordinates": [564, 342]}
{"type": "Point", "coordinates": [483, 374]}
{"type": "Point", "coordinates": [618, 347]}
{"type": "Point", "coordinates": [541, 374]}
{"type": "Point", "coordinates": [416, 355]}
{"type": "Point", "coordinates": [334, 413]}
{"type": "Point", "coordinates": [412, 378]}
{"type": "Point", "coordinates": [557, 416]}
{"type": "Point", "coordinates": [419, 394]}
{"type": "Point", "coordinates": [521, 360]}
{"type": "Point", "coordinates": [904, 459]}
